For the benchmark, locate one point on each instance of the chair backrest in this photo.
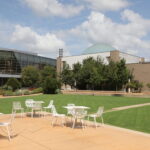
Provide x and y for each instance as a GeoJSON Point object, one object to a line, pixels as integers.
{"type": "Point", "coordinates": [54, 111]}
{"type": "Point", "coordinates": [79, 112]}
{"type": "Point", "coordinates": [50, 103]}
{"type": "Point", "coordinates": [37, 105]}
{"type": "Point", "coordinates": [100, 111]}
{"type": "Point", "coordinates": [70, 104]}
{"type": "Point", "coordinates": [16, 105]}
{"type": "Point", "coordinates": [29, 102]}
{"type": "Point", "coordinates": [70, 111]}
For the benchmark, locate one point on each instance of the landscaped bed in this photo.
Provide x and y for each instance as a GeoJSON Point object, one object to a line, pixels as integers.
{"type": "Point", "coordinates": [135, 118]}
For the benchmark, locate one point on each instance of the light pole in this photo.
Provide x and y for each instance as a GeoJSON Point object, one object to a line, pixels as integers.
{"type": "Point", "coordinates": [129, 89]}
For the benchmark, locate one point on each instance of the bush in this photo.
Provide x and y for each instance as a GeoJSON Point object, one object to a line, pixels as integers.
{"type": "Point", "coordinates": [14, 83]}
{"type": "Point", "coordinates": [38, 90]}
{"type": "Point", "coordinates": [8, 93]}
{"type": "Point", "coordinates": [17, 93]}
{"type": "Point", "coordinates": [6, 87]}
{"type": "Point", "coordinates": [1, 91]}
{"type": "Point", "coordinates": [50, 85]}
{"type": "Point", "coordinates": [26, 92]}
{"type": "Point", "coordinates": [148, 85]}
{"type": "Point", "coordinates": [58, 91]}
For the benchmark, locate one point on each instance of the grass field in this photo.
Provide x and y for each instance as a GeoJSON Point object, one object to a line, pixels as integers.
{"type": "Point", "coordinates": [135, 118]}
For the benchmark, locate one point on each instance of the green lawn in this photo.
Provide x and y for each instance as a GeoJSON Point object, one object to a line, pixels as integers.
{"type": "Point", "coordinates": [61, 100]}
{"type": "Point", "coordinates": [135, 118]}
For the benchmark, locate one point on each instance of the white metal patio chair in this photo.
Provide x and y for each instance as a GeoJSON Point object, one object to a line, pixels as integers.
{"type": "Point", "coordinates": [49, 107]}
{"type": "Point", "coordinates": [79, 114]}
{"type": "Point", "coordinates": [99, 113]}
{"type": "Point", "coordinates": [17, 107]}
{"type": "Point", "coordinates": [37, 106]}
{"type": "Point", "coordinates": [8, 126]}
{"type": "Point", "coordinates": [56, 116]}
{"type": "Point", "coordinates": [29, 104]}
{"type": "Point", "coordinates": [70, 110]}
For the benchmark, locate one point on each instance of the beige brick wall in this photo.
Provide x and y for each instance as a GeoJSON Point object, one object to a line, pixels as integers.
{"type": "Point", "coordinates": [141, 72]}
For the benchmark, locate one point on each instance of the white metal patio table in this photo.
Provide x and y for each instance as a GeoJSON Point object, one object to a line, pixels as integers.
{"type": "Point", "coordinates": [75, 110]}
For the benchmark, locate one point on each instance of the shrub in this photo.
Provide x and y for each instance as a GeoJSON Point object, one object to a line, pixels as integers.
{"type": "Point", "coordinates": [58, 91]}
{"type": "Point", "coordinates": [148, 85]}
{"type": "Point", "coordinates": [8, 93]}
{"type": "Point", "coordinates": [26, 92]}
{"type": "Point", "coordinates": [38, 90]}
{"type": "Point", "coordinates": [6, 87]}
{"type": "Point", "coordinates": [17, 93]}
{"type": "Point", "coordinates": [50, 85]}
{"type": "Point", "coordinates": [14, 83]}
{"type": "Point", "coordinates": [1, 91]}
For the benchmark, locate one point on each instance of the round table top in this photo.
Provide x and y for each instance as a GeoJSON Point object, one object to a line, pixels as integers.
{"type": "Point", "coordinates": [76, 107]}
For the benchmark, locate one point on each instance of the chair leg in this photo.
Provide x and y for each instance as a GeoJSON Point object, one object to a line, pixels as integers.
{"type": "Point", "coordinates": [62, 121]}
{"type": "Point", "coordinates": [53, 118]}
{"type": "Point", "coordinates": [82, 123]}
{"type": "Point", "coordinates": [73, 125]}
{"type": "Point", "coordinates": [32, 113]}
{"type": "Point", "coordinates": [8, 132]}
{"type": "Point", "coordinates": [102, 120]}
{"type": "Point", "coordinates": [95, 122]}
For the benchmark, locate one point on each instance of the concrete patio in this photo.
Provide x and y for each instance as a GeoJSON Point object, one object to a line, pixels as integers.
{"type": "Point", "coordinates": [38, 134]}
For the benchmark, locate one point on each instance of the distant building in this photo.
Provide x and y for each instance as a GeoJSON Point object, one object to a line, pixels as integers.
{"type": "Point", "coordinates": [12, 61]}
{"type": "Point", "coordinates": [105, 52]}
{"type": "Point", "coordinates": [141, 69]}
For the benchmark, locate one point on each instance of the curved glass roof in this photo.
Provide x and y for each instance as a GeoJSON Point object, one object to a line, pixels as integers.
{"type": "Point", "coordinates": [98, 48]}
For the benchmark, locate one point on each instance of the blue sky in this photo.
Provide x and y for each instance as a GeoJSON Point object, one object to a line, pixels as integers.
{"type": "Point", "coordinates": [44, 26]}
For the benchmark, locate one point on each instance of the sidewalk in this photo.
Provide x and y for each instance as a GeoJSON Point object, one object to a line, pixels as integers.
{"type": "Point", "coordinates": [38, 134]}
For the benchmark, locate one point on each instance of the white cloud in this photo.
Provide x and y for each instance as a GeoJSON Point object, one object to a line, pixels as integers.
{"type": "Point", "coordinates": [53, 8]}
{"type": "Point", "coordinates": [125, 36]}
{"type": "Point", "coordinates": [107, 5]}
{"type": "Point", "coordinates": [47, 44]}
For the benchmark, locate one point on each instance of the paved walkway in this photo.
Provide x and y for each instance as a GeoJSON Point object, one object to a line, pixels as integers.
{"type": "Point", "coordinates": [127, 107]}
{"type": "Point", "coordinates": [38, 134]}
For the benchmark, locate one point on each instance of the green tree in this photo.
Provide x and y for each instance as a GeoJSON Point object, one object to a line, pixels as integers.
{"type": "Point", "coordinates": [67, 76]}
{"type": "Point", "coordinates": [48, 71]}
{"type": "Point", "coordinates": [94, 74]}
{"type": "Point", "coordinates": [30, 76]}
{"type": "Point", "coordinates": [14, 83]}
{"type": "Point", "coordinates": [50, 85]}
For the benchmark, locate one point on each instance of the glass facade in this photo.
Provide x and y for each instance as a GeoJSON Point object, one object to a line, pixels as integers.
{"type": "Point", "coordinates": [12, 62]}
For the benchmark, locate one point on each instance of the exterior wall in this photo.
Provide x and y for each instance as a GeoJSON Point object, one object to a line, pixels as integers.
{"type": "Point", "coordinates": [70, 60]}
{"type": "Point", "coordinates": [130, 58]}
{"type": "Point", "coordinates": [141, 73]}
{"type": "Point", "coordinates": [114, 56]}
{"type": "Point", "coordinates": [59, 65]}
{"type": "Point", "coordinates": [106, 56]}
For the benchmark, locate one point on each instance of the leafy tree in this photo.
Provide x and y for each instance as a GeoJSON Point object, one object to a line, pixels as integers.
{"type": "Point", "coordinates": [77, 75]}
{"type": "Point", "coordinates": [48, 71]}
{"type": "Point", "coordinates": [50, 85]}
{"type": "Point", "coordinates": [67, 76]}
{"type": "Point", "coordinates": [30, 76]}
{"type": "Point", "coordinates": [14, 83]}
{"type": "Point", "coordinates": [94, 74]}
{"type": "Point", "coordinates": [49, 80]}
